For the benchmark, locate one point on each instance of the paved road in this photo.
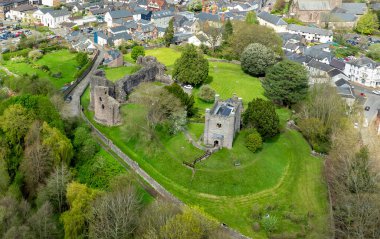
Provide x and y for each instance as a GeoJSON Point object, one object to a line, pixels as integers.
{"type": "Point", "coordinates": [373, 101]}
{"type": "Point", "coordinates": [72, 109]}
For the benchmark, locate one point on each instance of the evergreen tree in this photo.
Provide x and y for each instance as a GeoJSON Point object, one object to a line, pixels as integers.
{"type": "Point", "coordinates": [228, 30]}
{"type": "Point", "coordinates": [251, 18]}
{"type": "Point", "coordinates": [169, 33]}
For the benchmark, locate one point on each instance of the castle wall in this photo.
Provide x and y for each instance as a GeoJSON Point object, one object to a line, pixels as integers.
{"type": "Point", "coordinates": [106, 107]}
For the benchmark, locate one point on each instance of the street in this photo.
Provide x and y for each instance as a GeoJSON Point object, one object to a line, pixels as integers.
{"type": "Point", "coordinates": [373, 101]}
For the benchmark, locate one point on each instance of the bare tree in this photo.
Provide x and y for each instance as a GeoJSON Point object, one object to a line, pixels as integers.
{"type": "Point", "coordinates": [42, 222]}
{"type": "Point", "coordinates": [213, 33]}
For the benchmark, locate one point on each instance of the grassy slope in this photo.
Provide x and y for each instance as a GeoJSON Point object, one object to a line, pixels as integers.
{"type": "Point", "coordinates": [282, 175]}
{"type": "Point", "coordinates": [58, 61]}
{"type": "Point", "coordinates": [117, 73]}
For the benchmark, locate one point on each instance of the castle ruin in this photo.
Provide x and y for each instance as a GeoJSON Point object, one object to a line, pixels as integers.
{"type": "Point", "coordinates": [222, 122]}
{"type": "Point", "coordinates": [107, 96]}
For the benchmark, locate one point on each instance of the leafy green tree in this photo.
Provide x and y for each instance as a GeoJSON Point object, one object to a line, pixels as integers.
{"type": "Point", "coordinates": [251, 18]}
{"type": "Point", "coordinates": [228, 30]}
{"type": "Point", "coordinates": [80, 198]}
{"type": "Point", "coordinates": [316, 133]}
{"type": "Point", "coordinates": [256, 58]}
{"type": "Point", "coordinates": [81, 58]}
{"type": "Point", "coordinates": [253, 141]}
{"type": "Point", "coordinates": [195, 6]}
{"type": "Point", "coordinates": [261, 115]}
{"type": "Point", "coordinates": [186, 100]}
{"type": "Point", "coordinates": [245, 34]}
{"type": "Point", "coordinates": [15, 123]}
{"type": "Point", "coordinates": [191, 67]}
{"type": "Point", "coordinates": [137, 51]}
{"type": "Point", "coordinates": [59, 144]}
{"type": "Point", "coordinates": [367, 24]}
{"type": "Point", "coordinates": [286, 83]}
{"type": "Point", "coordinates": [206, 94]}
{"type": "Point", "coordinates": [169, 33]}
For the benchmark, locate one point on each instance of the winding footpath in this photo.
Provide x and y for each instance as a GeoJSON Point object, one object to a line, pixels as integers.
{"type": "Point", "coordinates": [74, 109]}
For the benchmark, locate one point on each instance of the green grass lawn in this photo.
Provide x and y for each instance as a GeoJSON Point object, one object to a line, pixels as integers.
{"type": "Point", "coordinates": [58, 61]}
{"type": "Point", "coordinates": [117, 73]}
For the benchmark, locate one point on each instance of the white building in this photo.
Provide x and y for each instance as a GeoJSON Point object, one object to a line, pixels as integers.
{"type": "Point", "coordinates": [272, 21]}
{"type": "Point", "coordinates": [119, 15]}
{"type": "Point", "coordinates": [39, 14]}
{"type": "Point", "coordinates": [311, 34]}
{"type": "Point", "coordinates": [51, 3]}
{"type": "Point", "coordinates": [52, 19]}
{"type": "Point", "coordinates": [22, 12]}
{"type": "Point", "coordinates": [363, 71]}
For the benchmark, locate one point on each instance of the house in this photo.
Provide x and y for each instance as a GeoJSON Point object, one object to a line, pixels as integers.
{"type": "Point", "coordinates": [311, 34]}
{"type": "Point", "coordinates": [141, 13]}
{"type": "Point", "coordinates": [318, 72]}
{"type": "Point", "coordinates": [345, 90]}
{"type": "Point", "coordinates": [39, 14]}
{"type": "Point", "coordinates": [155, 5]}
{"type": "Point", "coordinates": [293, 46]}
{"type": "Point", "coordinates": [51, 3]}
{"type": "Point", "coordinates": [222, 122]}
{"type": "Point", "coordinates": [54, 18]}
{"type": "Point", "coordinates": [118, 39]}
{"type": "Point", "coordinates": [318, 54]}
{"type": "Point", "coordinates": [243, 6]}
{"type": "Point", "coordinates": [162, 18]}
{"type": "Point", "coordinates": [84, 45]}
{"type": "Point", "coordinates": [181, 37]}
{"type": "Point", "coordinates": [112, 16]}
{"type": "Point", "coordinates": [23, 13]}
{"type": "Point", "coordinates": [363, 71]}
{"type": "Point", "coordinates": [101, 38]}
{"type": "Point", "coordinates": [113, 58]}
{"type": "Point", "coordinates": [272, 21]}
{"type": "Point", "coordinates": [310, 11]}
{"type": "Point", "coordinates": [7, 5]}
{"type": "Point", "coordinates": [355, 8]}
{"type": "Point", "coordinates": [199, 39]}
{"type": "Point", "coordinates": [339, 20]}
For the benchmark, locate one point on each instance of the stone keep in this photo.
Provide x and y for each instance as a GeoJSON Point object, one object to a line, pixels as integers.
{"type": "Point", "coordinates": [107, 108]}
{"type": "Point", "coordinates": [222, 122]}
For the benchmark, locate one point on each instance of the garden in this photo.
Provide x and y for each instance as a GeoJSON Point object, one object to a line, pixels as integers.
{"type": "Point", "coordinates": [278, 189]}
{"type": "Point", "coordinates": [59, 66]}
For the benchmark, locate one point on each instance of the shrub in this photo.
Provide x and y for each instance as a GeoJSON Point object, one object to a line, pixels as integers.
{"type": "Point", "coordinates": [253, 141]}
{"type": "Point", "coordinates": [44, 68]}
{"type": "Point", "coordinates": [137, 51]}
{"type": "Point", "coordinates": [23, 52]}
{"type": "Point", "coordinates": [256, 58]}
{"type": "Point", "coordinates": [81, 58]}
{"type": "Point", "coordinates": [269, 223]}
{"type": "Point", "coordinates": [35, 54]}
{"type": "Point", "coordinates": [207, 94]}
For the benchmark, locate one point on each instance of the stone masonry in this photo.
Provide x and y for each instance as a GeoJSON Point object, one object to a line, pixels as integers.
{"type": "Point", "coordinates": [222, 122]}
{"type": "Point", "coordinates": [107, 96]}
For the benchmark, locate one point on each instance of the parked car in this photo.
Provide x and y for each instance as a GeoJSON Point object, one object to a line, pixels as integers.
{"type": "Point", "coordinates": [367, 108]}
{"type": "Point", "coordinates": [376, 92]}
{"type": "Point", "coordinates": [189, 87]}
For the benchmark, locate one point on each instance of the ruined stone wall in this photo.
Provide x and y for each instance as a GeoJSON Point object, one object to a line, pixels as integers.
{"type": "Point", "coordinates": [107, 96]}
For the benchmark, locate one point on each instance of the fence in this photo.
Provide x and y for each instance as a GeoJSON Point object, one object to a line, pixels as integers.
{"type": "Point", "coordinates": [67, 91]}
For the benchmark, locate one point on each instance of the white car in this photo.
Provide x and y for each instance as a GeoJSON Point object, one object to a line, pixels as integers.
{"type": "Point", "coordinates": [376, 92]}
{"type": "Point", "coordinates": [189, 87]}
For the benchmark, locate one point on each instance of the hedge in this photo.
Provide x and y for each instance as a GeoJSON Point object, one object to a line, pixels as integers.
{"type": "Point", "coordinates": [10, 55]}
{"type": "Point", "coordinates": [83, 69]}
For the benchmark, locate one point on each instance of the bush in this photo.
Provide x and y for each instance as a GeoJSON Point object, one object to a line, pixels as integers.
{"type": "Point", "coordinates": [253, 141]}
{"type": "Point", "coordinates": [23, 52]}
{"type": "Point", "coordinates": [207, 94]}
{"type": "Point", "coordinates": [137, 51]}
{"type": "Point", "coordinates": [83, 69]}
{"type": "Point", "coordinates": [35, 54]}
{"type": "Point", "coordinates": [269, 223]}
{"type": "Point", "coordinates": [256, 58]}
{"type": "Point", "coordinates": [44, 68]}
{"type": "Point", "coordinates": [81, 58]}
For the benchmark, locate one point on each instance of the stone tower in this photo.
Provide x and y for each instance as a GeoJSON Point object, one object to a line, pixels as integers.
{"type": "Point", "coordinates": [222, 122]}
{"type": "Point", "coordinates": [106, 107]}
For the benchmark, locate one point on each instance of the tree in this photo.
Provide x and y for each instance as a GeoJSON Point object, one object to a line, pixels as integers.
{"type": "Point", "coordinates": [81, 59]}
{"type": "Point", "coordinates": [256, 58]}
{"type": "Point", "coordinates": [279, 5]}
{"type": "Point", "coordinates": [137, 51]}
{"type": "Point", "coordinates": [286, 83]}
{"type": "Point", "coordinates": [367, 24]}
{"type": "Point", "coordinates": [206, 94]}
{"type": "Point", "coordinates": [214, 34]}
{"type": "Point", "coordinates": [59, 144]}
{"type": "Point", "coordinates": [186, 100]}
{"type": "Point", "coordinates": [261, 115]}
{"type": "Point", "coordinates": [251, 18]}
{"type": "Point", "coordinates": [191, 67]}
{"type": "Point", "coordinates": [169, 33]}
{"type": "Point", "coordinates": [115, 214]}
{"type": "Point", "coordinates": [374, 52]}
{"type": "Point", "coordinates": [253, 141]}
{"type": "Point", "coordinates": [228, 30]}
{"type": "Point", "coordinates": [35, 55]}
{"type": "Point", "coordinates": [316, 133]}
{"type": "Point", "coordinates": [55, 189]}
{"type": "Point", "coordinates": [15, 123]}
{"type": "Point", "coordinates": [245, 34]}
{"type": "Point", "coordinates": [79, 197]}
{"type": "Point", "coordinates": [43, 224]}
{"type": "Point", "coordinates": [195, 6]}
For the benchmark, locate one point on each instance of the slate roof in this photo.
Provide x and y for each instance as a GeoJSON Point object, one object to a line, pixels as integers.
{"type": "Point", "coordinates": [307, 5]}
{"type": "Point", "coordinates": [344, 88]}
{"type": "Point", "coordinates": [273, 19]}
{"type": "Point", "coordinates": [59, 13]}
{"type": "Point", "coordinates": [100, 11]}
{"type": "Point", "coordinates": [180, 37]}
{"type": "Point", "coordinates": [286, 36]}
{"type": "Point", "coordinates": [364, 61]}
{"type": "Point", "coordinates": [318, 54]}
{"type": "Point", "coordinates": [123, 35]}
{"type": "Point", "coordinates": [375, 6]}
{"type": "Point", "coordinates": [24, 8]}
{"type": "Point", "coordinates": [45, 10]}
{"type": "Point", "coordinates": [130, 24]}
{"type": "Point", "coordinates": [311, 30]}
{"type": "Point", "coordinates": [292, 46]}
{"type": "Point", "coordinates": [120, 14]}
{"type": "Point", "coordinates": [343, 17]}
{"type": "Point", "coordinates": [224, 109]}
{"type": "Point", "coordinates": [355, 8]}
{"type": "Point", "coordinates": [140, 10]}
{"type": "Point", "coordinates": [204, 16]}
{"type": "Point", "coordinates": [337, 64]}
{"type": "Point", "coordinates": [113, 54]}
{"type": "Point", "coordinates": [162, 14]}
{"type": "Point", "coordinates": [320, 66]}
{"type": "Point", "coordinates": [118, 29]}
{"type": "Point", "coordinates": [335, 72]}
{"type": "Point", "coordinates": [297, 58]}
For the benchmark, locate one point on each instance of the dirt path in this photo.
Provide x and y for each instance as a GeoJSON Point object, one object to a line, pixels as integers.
{"type": "Point", "coordinates": [8, 71]}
